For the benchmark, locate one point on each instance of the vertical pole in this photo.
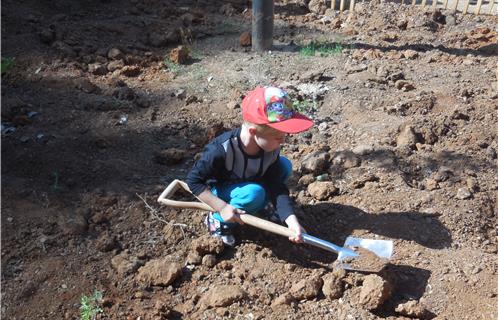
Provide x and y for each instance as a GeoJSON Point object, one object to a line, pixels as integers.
{"type": "Point", "coordinates": [424, 3]}
{"type": "Point", "coordinates": [333, 4]}
{"type": "Point", "coordinates": [491, 4]}
{"type": "Point", "coordinates": [402, 1]}
{"type": "Point", "coordinates": [342, 6]}
{"type": "Point", "coordinates": [445, 4]}
{"type": "Point", "coordinates": [434, 4]}
{"type": "Point", "coordinates": [262, 25]}
{"type": "Point", "coordinates": [455, 6]}
{"type": "Point", "coordinates": [414, 2]}
{"type": "Point", "coordinates": [478, 9]}
{"type": "Point", "coordinates": [466, 7]}
{"type": "Point", "coordinates": [351, 6]}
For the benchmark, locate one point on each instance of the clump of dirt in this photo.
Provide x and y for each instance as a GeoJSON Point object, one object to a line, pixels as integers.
{"type": "Point", "coordinates": [365, 261]}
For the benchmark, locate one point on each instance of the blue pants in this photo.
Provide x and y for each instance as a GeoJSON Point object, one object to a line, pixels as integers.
{"type": "Point", "coordinates": [248, 196]}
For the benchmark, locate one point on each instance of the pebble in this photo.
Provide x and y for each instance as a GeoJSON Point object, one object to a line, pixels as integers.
{"type": "Point", "coordinates": [463, 194]}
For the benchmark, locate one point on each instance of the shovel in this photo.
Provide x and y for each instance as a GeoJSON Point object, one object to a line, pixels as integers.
{"type": "Point", "coordinates": [371, 255]}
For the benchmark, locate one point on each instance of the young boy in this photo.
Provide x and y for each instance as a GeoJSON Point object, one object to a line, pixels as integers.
{"type": "Point", "coordinates": [241, 170]}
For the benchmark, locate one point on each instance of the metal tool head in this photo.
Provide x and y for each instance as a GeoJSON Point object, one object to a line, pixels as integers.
{"type": "Point", "coordinates": [371, 256]}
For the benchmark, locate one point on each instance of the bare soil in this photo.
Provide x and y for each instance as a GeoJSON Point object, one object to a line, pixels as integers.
{"type": "Point", "coordinates": [95, 124]}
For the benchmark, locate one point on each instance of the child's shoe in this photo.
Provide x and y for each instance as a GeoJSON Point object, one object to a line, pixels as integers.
{"type": "Point", "coordinates": [219, 230]}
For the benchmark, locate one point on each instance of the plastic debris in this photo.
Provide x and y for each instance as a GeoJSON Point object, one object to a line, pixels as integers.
{"type": "Point", "coordinates": [123, 119]}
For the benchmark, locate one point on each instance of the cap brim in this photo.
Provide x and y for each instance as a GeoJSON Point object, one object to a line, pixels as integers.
{"type": "Point", "coordinates": [298, 123]}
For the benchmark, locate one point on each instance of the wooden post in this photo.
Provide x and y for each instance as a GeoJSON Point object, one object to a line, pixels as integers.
{"type": "Point", "coordinates": [423, 3]}
{"type": "Point", "coordinates": [342, 6]}
{"type": "Point", "coordinates": [413, 2]}
{"type": "Point", "coordinates": [434, 4]}
{"type": "Point", "coordinates": [351, 6]}
{"type": "Point", "coordinates": [402, 1]}
{"type": "Point", "coordinates": [491, 4]}
{"type": "Point", "coordinates": [455, 6]}
{"type": "Point", "coordinates": [333, 4]}
{"type": "Point", "coordinates": [445, 4]}
{"type": "Point", "coordinates": [478, 8]}
{"type": "Point", "coordinates": [466, 7]}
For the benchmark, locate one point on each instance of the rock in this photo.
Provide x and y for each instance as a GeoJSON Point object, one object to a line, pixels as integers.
{"type": "Point", "coordinates": [404, 85]}
{"type": "Point", "coordinates": [306, 180]}
{"type": "Point", "coordinates": [209, 260]}
{"type": "Point", "coordinates": [316, 162]}
{"type": "Point", "coordinates": [463, 193]}
{"type": "Point", "coordinates": [193, 258]}
{"type": "Point", "coordinates": [362, 180]}
{"type": "Point", "coordinates": [115, 65]}
{"type": "Point", "coordinates": [64, 49]}
{"type": "Point", "coordinates": [106, 242]}
{"type": "Point", "coordinates": [222, 296]}
{"type": "Point", "coordinates": [179, 55]}
{"type": "Point", "coordinates": [346, 159]}
{"type": "Point", "coordinates": [124, 93]}
{"type": "Point", "coordinates": [245, 39]}
{"type": "Point", "coordinates": [450, 20]}
{"type": "Point", "coordinates": [307, 288]}
{"type": "Point", "coordinates": [131, 71]}
{"type": "Point", "coordinates": [491, 152]}
{"type": "Point", "coordinates": [322, 190]}
{"type": "Point", "coordinates": [47, 35]}
{"type": "Point", "coordinates": [97, 69]}
{"type": "Point", "coordinates": [407, 137]}
{"type": "Point", "coordinates": [232, 105]}
{"type": "Point", "coordinates": [142, 102]}
{"type": "Point", "coordinates": [363, 149]}
{"type": "Point", "coordinates": [169, 156]}
{"type": "Point", "coordinates": [159, 272]}
{"type": "Point", "coordinates": [431, 184]}
{"type": "Point", "coordinates": [284, 299]}
{"type": "Point", "coordinates": [115, 54]}
{"type": "Point", "coordinates": [333, 286]}
{"type": "Point", "coordinates": [317, 6]}
{"type": "Point", "coordinates": [207, 244]}
{"type": "Point", "coordinates": [412, 309]}
{"type": "Point", "coordinates": [124, 263]}
{"type": "Point", "coordinates": [410, 54]}
{"type": "Point", "coordinates": [374, 292]}
{"type": "Point", "coordinates": [73, 222]}
{"type": "Point", "coordinates": [85, 85]}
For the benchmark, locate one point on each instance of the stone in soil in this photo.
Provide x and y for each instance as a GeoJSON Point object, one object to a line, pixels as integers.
{"type": "Point", "coordinates": [221, 296]}
{"type": "Point", "coordinates": [282, 300]}
{"type": "Point", "coordinates": [160, 272]}
{"type": "Point", "coordinates": [412, 309]}
{"type": "Point", "coordinates": [207, 244]}
{"type": "Point", "coordinates": [209, 260]}
{"type": "Point", "coordinates": [322, 190]}
{"type": "Point", "coordinates": [169, 156]}
{"type": "Point", "coordinates": [307, 288]}
{"type": "Point", "coordinates": [124, 263]}
{"type": "Point", "coordinates": [333, 285]}
{"type": "Point", "coordinates": [245, 39]}
{"type": "Point", "coordinates": [179, 55]}
{"type": "Point", "coordinates": [374, 292]}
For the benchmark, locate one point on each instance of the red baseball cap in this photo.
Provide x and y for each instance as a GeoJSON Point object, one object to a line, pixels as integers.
{"type": "Point", "coordinates": [272, 106]}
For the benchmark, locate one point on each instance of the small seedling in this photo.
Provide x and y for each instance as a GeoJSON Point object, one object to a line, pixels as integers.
{"type": "Point", "coordinates": [171, 66]}
{"type": "Point", "coordinates": [56, 186]}
{"type": "Point", "coordinates": [6, 65]}
{"type": "Point", "coordinates": [90, 305]}
{"type": "Point", "coordinates": [323, 48]}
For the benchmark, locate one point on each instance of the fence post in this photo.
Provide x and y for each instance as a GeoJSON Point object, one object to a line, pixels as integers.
{"type": "Point", "coordinates": [434, 4]}
{"type": "Point", "coordinates": [351, 6]}
{"type": "Point", "coordinates": [466, 7]}
{"type": "Point", "coordinates": [262, 25]}
{"type": "Point", "coordinates": [491, 4]}
{"type": "Point", "coordinates": [341, 8]}
{"type": "Point", "coordinates": [478, 9]}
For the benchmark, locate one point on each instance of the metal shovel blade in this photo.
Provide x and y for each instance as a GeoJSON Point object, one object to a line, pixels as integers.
{"type": "Point", "coordinates": [372, 256]}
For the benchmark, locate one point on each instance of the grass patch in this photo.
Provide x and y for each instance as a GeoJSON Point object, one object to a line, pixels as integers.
{"type": "Point", "coordinates": [322, 48]}
{"type": "Point", "coordinates": [6, 65]}
{"type": "Point", "coordinates": [90, 305]}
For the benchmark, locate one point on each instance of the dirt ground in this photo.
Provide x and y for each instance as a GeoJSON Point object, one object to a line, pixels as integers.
{"type": "Point", "coordinates": [95, 124]}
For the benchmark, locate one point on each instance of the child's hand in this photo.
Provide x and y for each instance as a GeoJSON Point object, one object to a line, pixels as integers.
{"type": "Point", "coordinates": [294, 225]}
{"type": "Point", "coordinates": [231, 214]}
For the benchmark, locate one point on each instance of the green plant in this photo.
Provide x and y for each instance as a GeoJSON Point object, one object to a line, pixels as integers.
{"type": "Point", "coordinates": [6, 64]}
{"type": "Point", "coordinates": [171, 66]}
{"type": "Point", "coordinates": [324, 48]}
{"type": "Point", "coordinates": [90, 305]}
{"type": "Point", "coordinates": [305, 106]}
{"type": "Point", "coordinates": [56, 186]}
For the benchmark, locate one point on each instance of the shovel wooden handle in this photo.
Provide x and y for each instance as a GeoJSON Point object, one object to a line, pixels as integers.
{"type": "Point", "coordinates": [165, 198]}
